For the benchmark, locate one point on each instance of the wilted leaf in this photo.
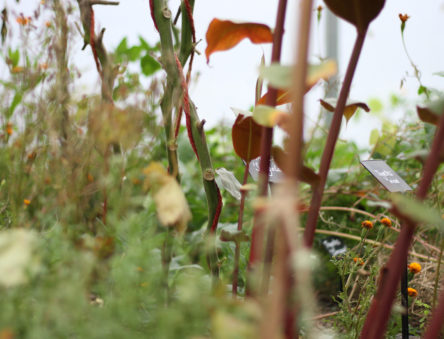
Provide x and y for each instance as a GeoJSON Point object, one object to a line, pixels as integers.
{"type": "Point", "coordinates": [224, 34]}
{"type": "Point", "coordinates": [308, 175]}
{"type": "Point", "coordinates": [227, 180]}
{"type": "Point", "coordinates": [418, 211]}
{"type": "Point", "coordinates": [17, 257]}
{"type": "Point", "coordinates": [432, 112]}
{"type": "Point", "coordinates": [357, 12]}
{"type": "Point", "coordinates": [350, 108]}
{"type": "Point", "coordinates": [171, 204]}
{"type": "Point", "coordinates": [281, 77]}
{"type": "Point", "coordinates": [246, 135]}
{"type": "Point", "coordinates": [269, 116]}
{"type": "Point", "coordinates": [111, 125]}
{"type": "Point", "coordinates": [234, 235]}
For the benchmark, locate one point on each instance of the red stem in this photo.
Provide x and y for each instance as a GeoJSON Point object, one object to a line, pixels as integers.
{"type": "Point", "coordinates": [379, 313]}
{"type": "Point", "coordinates": [239, 228]}
{"type": "Point", "coordinates": [436, 322]}
{"type": "Point", "coordinates": [267, 136]}
{"type": "Point", "coordinates": [93, 44]}
{"type": "Point", "coordinates": [333, 134]}
{"type": "Point", "coordinates": [267, 133]}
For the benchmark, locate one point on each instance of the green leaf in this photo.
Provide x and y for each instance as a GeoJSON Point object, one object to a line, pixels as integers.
{"type": "Point", "coordinates": [149, 65]}
{"type": "Point", "coordinates": [122, 47]}
{"type": "Point", "coordinates": [418, 211]}
{"type": "Point", "coordinates": [15, 101]}
{"type": "Point", "coordinates": [277, 75]}
{"type": "Point", "coordinates": [267, 116]}
{"type": "Point", "coordinates": [374, 136]}
{"type": "Point", "coordinates": [280, 76]}
{"type": "Point", "coordinates": [14, 56]}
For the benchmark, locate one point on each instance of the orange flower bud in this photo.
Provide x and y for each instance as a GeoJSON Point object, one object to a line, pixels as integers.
{"type": "Point", "coordinates": [386, 222]}
{"type": "Point", "coordinates": [414, 267]}
{"type": "Point", "coordinates": [367, 224]}
{"type": "Point", "coordinates": [403, 17]}
{"type": "Point", "coordinates": [412, 292]}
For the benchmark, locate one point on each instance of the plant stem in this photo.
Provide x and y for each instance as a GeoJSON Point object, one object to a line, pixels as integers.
{"type": "Point", "coordinates": [267, 133]}
{"type": "Point", "coordinates": [239, 228]}
{"type": "Point", "coordinates": [257, 236]}
{"type": "Point", "coordinates": [438, 270]}
{"type": "Point", "coordinates": [333, 134]}
{"type": "Point", "coordinates": [177, 87]}
{"type": "Point", "coordinates": [378, 315]}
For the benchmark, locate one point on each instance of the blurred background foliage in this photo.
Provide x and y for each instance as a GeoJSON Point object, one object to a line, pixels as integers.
{"type": "Point", "coordinates": [75, 274]}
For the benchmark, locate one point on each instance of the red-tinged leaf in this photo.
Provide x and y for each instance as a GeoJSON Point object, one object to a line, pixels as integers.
{"type": "Point", "coordinates": [349, 110]}
{"type": "Point", "coordinates": [432, 112]}
{"type": "Point", "coordinates": [308, 175]}
{"type": "Point", "coordinates": [246, 135]}
{"type": "Point", "coordinates": [224, 34]}
{"type": "Point", "coordinates": [357, 12]}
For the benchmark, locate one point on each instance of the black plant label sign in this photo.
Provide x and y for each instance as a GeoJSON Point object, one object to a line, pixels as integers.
{"type": "Point", "coordinates": [386, 175]}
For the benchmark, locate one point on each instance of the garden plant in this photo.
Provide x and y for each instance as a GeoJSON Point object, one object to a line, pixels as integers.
{"type": "Point", "coordinates": [123, 215]}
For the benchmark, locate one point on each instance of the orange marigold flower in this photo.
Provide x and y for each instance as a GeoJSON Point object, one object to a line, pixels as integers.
{"type": "Point", "coordinates": [359, 261]}
{"type": "Point", "coordinates": [17, 69]}
{"type": "Point", "coordinates": [403, 17]}
{"type": "Point", "coordinates": [26, 202]}
{"type": "Point", "coordinates": [386, 222]}
{"type": "Point", "coordinates": [367, 224]}
{"type": "Point", "coordinates": [414, 267]}
{"type": "Point", "coordinates": [412, 292]}
{"type": "Point", "coordinates": [21, 20]}
{"type": "Point", "coordinates": [9, 128]}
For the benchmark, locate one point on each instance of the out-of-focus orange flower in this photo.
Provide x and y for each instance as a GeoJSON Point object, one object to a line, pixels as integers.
{"type": "Point", "coordinates": [48, 24]}
{"type": "Point", "coordinates": [7, 333]}
{"type": "Point", "coordinates": [90, 177]}
{"type": "Point", "coordinates": [412, 292]}
{"type": "Point", "coordinates": [386, 222]}
{"type": "Point", "coordinates": [367, 224]}
{"type": "Point", "coordinates": [359, 261]}
{"type": "Point", "coordinates": [403, 17]}
{"type": "Point", "coordinates": [43, 66]}
{"type": "Point", "coordinates": [414, 267]}
{"type": "Point", "coordinates": [26, 202]}
{"type": "Point", "coordinates": [9, 128]}
{"type": "Point", "coordinates": [17, 69]}
{"type": "Point", "coordinates": [21, 20]}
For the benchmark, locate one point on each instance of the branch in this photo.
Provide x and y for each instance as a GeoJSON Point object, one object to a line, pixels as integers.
{"type": "Point", "coordinates": [104, 2]}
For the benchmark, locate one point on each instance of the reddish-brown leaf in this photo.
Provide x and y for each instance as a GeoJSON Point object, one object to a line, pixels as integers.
{"type": "Point", "coordinates": [246, 136]}
{"type": "Point", "coordinates": [357, 12]}
{"type": "Point", "coordinates": [224, 34]}
{"type": "Point", "coordinates": [427, 115]}
{"type": "Point", "coordinates": [307, 175]}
